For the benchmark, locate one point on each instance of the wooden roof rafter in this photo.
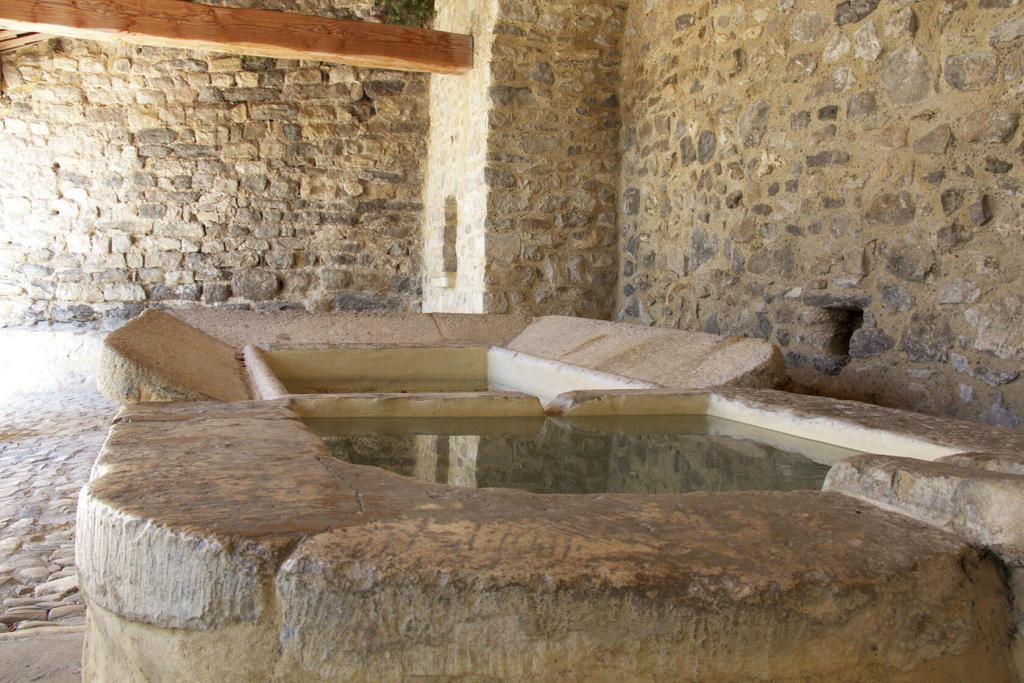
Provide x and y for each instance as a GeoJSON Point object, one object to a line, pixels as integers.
{"type": "Point", "coordinates": [256, 32]}
{"type": "Point", "coordinates": [12, 40]}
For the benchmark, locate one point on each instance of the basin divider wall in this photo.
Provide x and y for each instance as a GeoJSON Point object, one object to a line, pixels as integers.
{"type": "Point", "coordinates": [440, 405]}
{"type": "Point", "coordinates": [379, 369]}
{"type": "Point", "coordinates": [835, 431]}
{"type": "Point", "coordinates": [263, 382]}
{"type": "Point", "coordinates": [547, 379]}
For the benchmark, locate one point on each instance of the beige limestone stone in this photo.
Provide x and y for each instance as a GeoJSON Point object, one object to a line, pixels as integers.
{"type": "Point", "coordinates": [847, 424]}
{"type": "Point", "coordinates": [119, 649]}
{"type": "Point", "coordinates": [468, 404]}
{"type": "Point", "coordinates": [241, 328]}
{"type": "Point", "coordinates": [391, 369]}
{"type": "Point", "coordinates": [980, 504]}
{"type": "Point", "coordinates": [163, 357]}
{"type": "Point", "coordinates": [159, 357]}
{"type": "Point", "coordinates": [670, 358]}
{"type": "Point", "coordinates": [170, 412]}
{"type": "Point", "coordinates": [320, 570]}
{"type": "Point", "coordinates": [547, 379]}
{"type": "Point", "coordinates": [979, 496]}
{"type": "Point", "coordinates": [193, 355]}
{"type": "Point", "coordinates": [263, 382]}
{"type": "Point", "coordinates": [456, 190]}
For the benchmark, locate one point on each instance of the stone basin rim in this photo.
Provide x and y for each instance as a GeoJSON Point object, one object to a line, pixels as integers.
{"type": "Point", "coordinates": [269, 536]}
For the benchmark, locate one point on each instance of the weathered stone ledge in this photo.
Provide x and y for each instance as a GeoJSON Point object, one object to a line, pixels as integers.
{"type": "Point", "coordinates": [857, 425]}
{"type": "Point", "coordinates": [233, 522]}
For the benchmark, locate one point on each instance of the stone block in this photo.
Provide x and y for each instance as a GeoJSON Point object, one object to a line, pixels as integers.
{"type": "Point", "coordinates": [255, 284]}
{"type": "Point", "coordinates": [124, 292]}
{"type": "Point", "coordinates": [971, 71]}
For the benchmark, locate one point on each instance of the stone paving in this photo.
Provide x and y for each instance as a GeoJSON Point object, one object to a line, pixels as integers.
{"type": "Point", "coordinates": [48, 443]}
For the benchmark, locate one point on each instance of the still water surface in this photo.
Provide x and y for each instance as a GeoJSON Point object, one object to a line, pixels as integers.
{"type": "Point", "coordinates": [584, 455]}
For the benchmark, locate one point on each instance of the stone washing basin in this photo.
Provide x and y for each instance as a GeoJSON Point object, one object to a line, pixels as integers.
{"type": "Point", "coordinates": [222, 542]}
{"type": "Point", "coordinates": [219, 542]}
{"type": "Point", "coordinates": [283, 372]}
{"type": "Point", "coordinates": [196, 355]}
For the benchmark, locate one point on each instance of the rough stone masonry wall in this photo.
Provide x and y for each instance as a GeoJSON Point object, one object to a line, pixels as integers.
{"type": "Point", "coordinates": [553, 160]}
{"type": "Point", "coordinates": [134, 177]}
{"type": "Point", "coordinates": [527, 147]}
{"type": "Point", "coordinates": [843, 178]}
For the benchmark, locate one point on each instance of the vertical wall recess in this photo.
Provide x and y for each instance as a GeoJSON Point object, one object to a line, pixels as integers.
{"type": "Point", "coordinates": [450, 249]}
{"type": "Point", "coordinates": [456, 163]}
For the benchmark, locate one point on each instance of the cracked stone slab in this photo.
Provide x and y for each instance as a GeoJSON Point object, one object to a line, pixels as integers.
{"type": "Point", "coordinates": [981, 503]}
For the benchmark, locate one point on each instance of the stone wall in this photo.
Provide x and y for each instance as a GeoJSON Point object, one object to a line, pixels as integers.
{"type": "Point", "coordinates": [532, 163]}
{"type": "Point", "coordinates": [135, 177]}
{"type": "Point", "coordinates": [843, 178]}
{"type": "Point", "coordinates": [553, 163]}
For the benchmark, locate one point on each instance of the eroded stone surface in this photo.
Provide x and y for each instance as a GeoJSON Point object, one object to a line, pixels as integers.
{"type": "Point", "coordinates": [978, 495]}
{"type": "Point", "coordinates": [980, 503]}
{"type": "Point", "coordinates": [194, 355]}
{"type": "Point", "coordinates": [162, 357]}
{"type": "Point", "coordinates": [157, 357]}
{"type": "Point", "coordinates": [357, 573]}
{"type": "Point", "coordinates": [241, 328]}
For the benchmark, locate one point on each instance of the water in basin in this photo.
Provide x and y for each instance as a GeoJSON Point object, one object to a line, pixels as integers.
{"type": "Point", "coordinates": [584, 455]}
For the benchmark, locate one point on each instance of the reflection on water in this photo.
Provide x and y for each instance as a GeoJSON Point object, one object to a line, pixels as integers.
{"type": "Point", "coordinates": [593, 455]}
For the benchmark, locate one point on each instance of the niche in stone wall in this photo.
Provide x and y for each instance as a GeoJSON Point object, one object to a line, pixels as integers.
{"type": "Point", "coordinates": [844, 323]}
{"type": "Point", "coordinates": [449, 247]}
{"type": "Point", "coordinates": [832, 322]}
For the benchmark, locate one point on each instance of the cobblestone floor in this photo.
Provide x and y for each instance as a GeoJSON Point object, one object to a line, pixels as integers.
{"type": "Point", "coordinates": [48, 443]}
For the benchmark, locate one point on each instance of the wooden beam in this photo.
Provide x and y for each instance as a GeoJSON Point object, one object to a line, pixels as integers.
{"type": "Point", "coordinates": [12, 40]}
{"type": "Point", "coordinates": [263, 33]}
